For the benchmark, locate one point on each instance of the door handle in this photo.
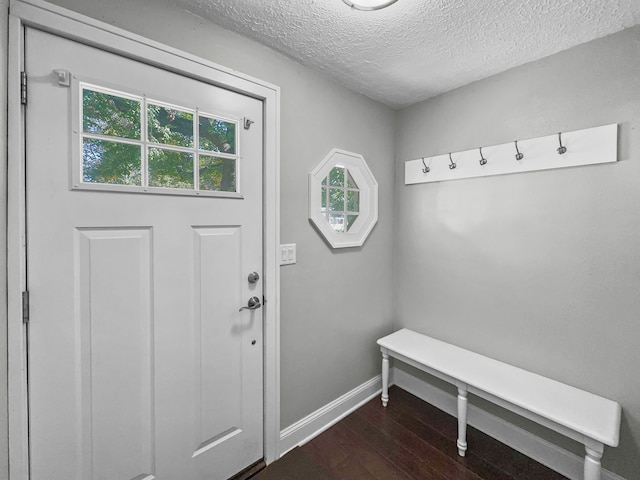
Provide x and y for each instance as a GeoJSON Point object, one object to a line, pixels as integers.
{"type": "Point", "coordinates": [252, 304]}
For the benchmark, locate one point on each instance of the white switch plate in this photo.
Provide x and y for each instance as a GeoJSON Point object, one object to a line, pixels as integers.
{"type": "Point", "coordinates": [288, 254]}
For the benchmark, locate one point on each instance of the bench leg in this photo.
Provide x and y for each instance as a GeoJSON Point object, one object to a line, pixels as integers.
{"type": "Point", "coordinates": [592, 466]}
{"type": "Point", "coordinates": [462, 421]}
{"type": "Point", "coordinates": [385, 379]}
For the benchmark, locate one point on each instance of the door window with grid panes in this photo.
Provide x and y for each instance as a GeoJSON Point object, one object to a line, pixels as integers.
{"type": "Point", "coordinates": [135, 143]}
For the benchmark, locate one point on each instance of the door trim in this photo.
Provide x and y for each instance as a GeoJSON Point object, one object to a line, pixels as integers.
{"type": "Point", "coordinates": [53, 19]}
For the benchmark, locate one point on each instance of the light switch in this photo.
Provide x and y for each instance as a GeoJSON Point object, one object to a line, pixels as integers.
{"type": "Point", "coordinates": [288, 254]}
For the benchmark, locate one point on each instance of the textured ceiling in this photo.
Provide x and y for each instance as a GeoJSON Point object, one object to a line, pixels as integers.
{"type": "Point", "coordinates": [416, 49]}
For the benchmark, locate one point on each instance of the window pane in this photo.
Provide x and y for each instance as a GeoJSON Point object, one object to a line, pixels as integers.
{"type": "Point", "coordinates": [217, 174]}
{"type": "Point", "coordinates": [217, 135]}
{"type": "Point", "coordinates": [353, 201]}
{"type": "Point", "coordinates": [350, 221]}
{"type": "Point", "coordinates": [169, 126]}
{"type": "Point", "coordinates": [111, 115]}
{"type": "Point", "coordinates": [110, 162]}
{"type": "Point", "coordinates": [337, 222]}
{"type": "Point", "coordinates": [323, 201]}
{"type": "Point", "coordinates": [336, 200]}
{"type": "Point", "coordinates": [170, 169]}
{"type": "Point", "coordinates": [336, 177]}
{"type": "Point", "coordinates": [351, 183]}
{"type": "Point", "coordinates": [324, 182]}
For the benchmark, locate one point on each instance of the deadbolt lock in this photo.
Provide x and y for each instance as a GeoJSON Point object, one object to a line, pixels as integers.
{"type": "Point", "coordinates": [253, 277]}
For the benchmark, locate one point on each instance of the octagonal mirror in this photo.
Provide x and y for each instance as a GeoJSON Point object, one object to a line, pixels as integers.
{"type": "Point", "coordinates": [343, 199]}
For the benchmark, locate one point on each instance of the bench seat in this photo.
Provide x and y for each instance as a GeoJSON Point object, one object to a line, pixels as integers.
{"type": "Point", "coordinates": [590, 419]}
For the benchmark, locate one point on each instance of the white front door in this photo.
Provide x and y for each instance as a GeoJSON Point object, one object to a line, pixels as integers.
{"type": "Point", "coordinates": [144, 220]}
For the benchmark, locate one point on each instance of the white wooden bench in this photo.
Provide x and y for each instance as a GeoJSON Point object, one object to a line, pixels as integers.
{"type": "Point", "coordinates": [590, 419]}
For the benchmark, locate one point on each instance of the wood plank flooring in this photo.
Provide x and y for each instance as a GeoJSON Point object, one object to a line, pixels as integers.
{"type": "Point", "coordinates": [408, 440]}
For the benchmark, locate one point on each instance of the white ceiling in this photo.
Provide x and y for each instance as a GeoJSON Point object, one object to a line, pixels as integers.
{"type": "Point", "coordinates": [416, 49]}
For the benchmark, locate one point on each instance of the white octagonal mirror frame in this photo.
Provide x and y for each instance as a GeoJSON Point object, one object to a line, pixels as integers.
{"type": "Point", "coordinates": [368, 186]}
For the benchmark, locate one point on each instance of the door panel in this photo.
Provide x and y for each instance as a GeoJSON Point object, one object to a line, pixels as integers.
{"type": "Point", "coordinates": [116, 348]}
{"type": "Point", "coordinates": [141, 365]}
{"type": "Point", "coordinates": [219, 410]}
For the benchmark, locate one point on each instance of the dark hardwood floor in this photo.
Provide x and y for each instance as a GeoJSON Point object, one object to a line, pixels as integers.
{"type": "Point", "coordinates": [408, 440]}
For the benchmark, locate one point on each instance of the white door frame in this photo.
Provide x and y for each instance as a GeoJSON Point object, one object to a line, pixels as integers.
{"type": "Point", "coordinates": [65, 23]}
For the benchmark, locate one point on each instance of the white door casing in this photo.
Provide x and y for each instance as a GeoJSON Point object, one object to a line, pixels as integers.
{"type": "Point", "coordinates": [141, 238]}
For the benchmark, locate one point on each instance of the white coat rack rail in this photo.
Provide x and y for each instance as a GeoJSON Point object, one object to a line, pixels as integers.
{"type": "Point", "coordinates": [571, 149]}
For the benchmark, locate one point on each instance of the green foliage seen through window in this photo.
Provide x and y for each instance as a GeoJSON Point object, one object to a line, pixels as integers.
{"type": "Point", "coordinates": [115, 162]}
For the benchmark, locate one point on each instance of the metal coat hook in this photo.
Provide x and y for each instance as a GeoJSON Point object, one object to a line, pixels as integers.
{"type": "Point", "coordinates": [425, 169]}
{"type": "Point", "coordinates": [483, 161]}
{"type": "Point", "coordinates": [519, 156]}
{"type": "Point", "coordinates": [452, 165]}
{"type": "Point", "coordinates": [562, 148]}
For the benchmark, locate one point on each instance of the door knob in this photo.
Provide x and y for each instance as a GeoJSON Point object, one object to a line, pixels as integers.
{"type": "Point", "coordinates": [252, 304]}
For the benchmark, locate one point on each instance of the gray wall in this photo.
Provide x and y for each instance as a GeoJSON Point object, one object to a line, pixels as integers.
{"type": "Point", "coordinates": [541, 270]}
{"type": "Point", "coordinates": [334, 304]}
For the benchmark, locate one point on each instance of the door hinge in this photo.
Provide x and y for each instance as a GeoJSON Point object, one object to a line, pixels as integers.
{"type": "Point", "coordinates": [25, 307]}
{"type": "Point", "coordinates": [23, 88]}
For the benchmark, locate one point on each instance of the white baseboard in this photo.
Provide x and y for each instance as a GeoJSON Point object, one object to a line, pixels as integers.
{"type": "Point", "coordinates": [317, 422]}
{"type": "Point", "coordinates": [562, 461]}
